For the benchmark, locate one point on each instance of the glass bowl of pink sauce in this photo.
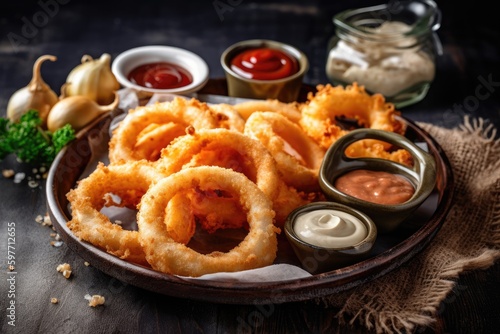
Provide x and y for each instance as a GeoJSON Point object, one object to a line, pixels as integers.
{"type": "Point", "coordinates": [387, 191]}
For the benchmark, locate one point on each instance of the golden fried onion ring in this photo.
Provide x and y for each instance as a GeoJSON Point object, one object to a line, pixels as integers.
{"type": "Point", "coordinates": [180, 219]}
{"type": "Point", "coordinates": [227, 117]}
{"type": "Point", "coordinates": [368, 148]}
{"type": "Point", "coordinates": [289, 199]}
{"type": "Point", "coordinates": [289, 110]}
{"type": "Point", "coordinates": [319, 120]}
{"type": "Point", "coordinates": [128, 181]}
{"type": "Point", "coordinates": [215, 211]}
{"type": "Point", "coordinates": [257, 249]}
{"type": "Point", "coordinates": [297, 156]}
{"type": "Point", "coordinates": [319, 112]}
{"type": "Point", "coordinates": [223, 148]}
{"type": "Point", "coordinates": [211, 212]}
{"type": "Point", "coordinates": [146, 130]}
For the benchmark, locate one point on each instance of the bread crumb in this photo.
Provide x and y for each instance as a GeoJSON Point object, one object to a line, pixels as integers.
{"type": "Point", "coordinates": [54, 300]}
{"type": "Point", "coordinates": [8, 173]}
{"type": "Point", "coordinates": [86, 264]}
{"type": "Point", "coordinates": [65, 269]}
{"type": "Point", "coordinates": [46, 221]}
{"type": "Point", "coordinates": [56, 236]}
{"type": "Point", "coordinates": [32, 184]}
{"type": "Point", "coordinates": [18, 177]}
{"type": "Point", "coordinates": [56, 243]}
{"type": "Point", "coordinates": [95, 300]}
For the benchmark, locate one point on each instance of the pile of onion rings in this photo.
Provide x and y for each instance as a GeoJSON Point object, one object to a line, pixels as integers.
{"type": "Point", "coordinates": [186, 165]}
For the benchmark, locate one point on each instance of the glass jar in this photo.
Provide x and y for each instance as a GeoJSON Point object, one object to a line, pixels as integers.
{"type": "Point", "coordinates": [389, 49]}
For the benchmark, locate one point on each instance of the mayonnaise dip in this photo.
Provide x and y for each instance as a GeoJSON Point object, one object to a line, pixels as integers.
{"type": "Point", "coordinates": [330, 228]}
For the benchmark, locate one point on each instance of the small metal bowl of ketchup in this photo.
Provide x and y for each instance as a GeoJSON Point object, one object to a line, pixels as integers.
{"type": "Point", "coordinates": [387, 191]}
{"type": "Point", "coordinates": [160, 69]}
{"type": "Point", "coordinates": [264, 69]}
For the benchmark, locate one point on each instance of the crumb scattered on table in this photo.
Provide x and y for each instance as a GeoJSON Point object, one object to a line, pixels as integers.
{"type": "Point", "coordinates": [8, 173]}
{"type": "Point", "coordinates": [65, 269]}
{"type": "Point", "coordinates": [95, 300]}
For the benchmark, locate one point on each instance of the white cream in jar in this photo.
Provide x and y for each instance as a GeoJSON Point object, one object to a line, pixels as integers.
{"type": "Point", "coordinates": [330, 228]}
{"type": "Point", "coordinates": [383, 64]}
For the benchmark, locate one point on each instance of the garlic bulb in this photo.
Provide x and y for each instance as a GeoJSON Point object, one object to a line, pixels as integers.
{"type": "Point", "coordinates": [78, 111]}
{"type": "Point", "coordinates": [36, 95]}
{"type": "Point", "coordinates": [93, 78]}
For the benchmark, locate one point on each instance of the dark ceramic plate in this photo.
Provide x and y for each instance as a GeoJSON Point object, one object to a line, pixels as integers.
{"type": "Point", "coordinates": [390, 251]}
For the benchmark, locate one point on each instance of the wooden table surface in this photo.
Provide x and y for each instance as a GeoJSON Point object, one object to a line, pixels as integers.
{"type": "Point", "coordinates": [72, 28]}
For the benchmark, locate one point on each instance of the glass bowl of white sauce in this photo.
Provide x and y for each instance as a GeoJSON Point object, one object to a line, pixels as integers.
{"type": "Point", "coordinates": [389, 49]}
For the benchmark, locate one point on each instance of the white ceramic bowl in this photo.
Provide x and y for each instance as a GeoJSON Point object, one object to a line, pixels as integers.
{"type": "Point", "coordinates": [125, 62]}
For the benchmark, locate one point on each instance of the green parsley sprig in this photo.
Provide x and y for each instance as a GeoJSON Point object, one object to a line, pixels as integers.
{"type": "Point", "coordinates": [30, 142]}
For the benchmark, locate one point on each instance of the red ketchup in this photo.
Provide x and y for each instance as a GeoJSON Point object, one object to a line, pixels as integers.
{"type": "Point", "coordinates": [160, 76]}
{"type": "Point", "coordinates": [264, 64]}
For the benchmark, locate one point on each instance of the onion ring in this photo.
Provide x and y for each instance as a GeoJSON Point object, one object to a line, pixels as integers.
{"type": "Point", "coordinates": [217, 212]}
{"type": "Point", "coordinates": [376, 149]}
{"type": "Point", "coordinates": [179, 218]}
{"type": "Point", "coordinates": [319, 112]}
{"type": "Point", "coordinates": [287, 200]}
{"type": "Point", "coordinates": [146, 130]}
{"type": "Point", "coordinates": [164, 254]}
{"type": "Point", "coordinates": [298, 157]}
{"type": "Point", "coordinates": [128, 181]}
{"type": "Point", "coordinates": [289, 110]}
{"type": "Point", "coordinates": [319, 120]}
{"type": "Point", "coordinates": [227, 117]}
{"type": "Point", "coordinates": [192, 207]}
{"type": "Point", "coordinates": [223, 148]}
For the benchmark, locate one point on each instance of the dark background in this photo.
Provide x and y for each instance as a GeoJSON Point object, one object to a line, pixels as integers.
{"type": "Point", "coordinates": [470, 36]}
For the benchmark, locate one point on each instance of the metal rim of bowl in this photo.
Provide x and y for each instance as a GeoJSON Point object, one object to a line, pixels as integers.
{"type": "Point", "coordinates": [231, 50]}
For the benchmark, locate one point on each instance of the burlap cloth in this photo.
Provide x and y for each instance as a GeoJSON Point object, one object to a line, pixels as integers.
{"type": "Point", "coordinates": [469, 239]}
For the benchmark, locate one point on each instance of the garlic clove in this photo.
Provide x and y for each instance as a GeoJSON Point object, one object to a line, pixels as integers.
{"type": "Point", "coordinates": [78, 111]}
{"type": "Point", "coordinates": [93, 78]}
{"type": "Point", "coordinates": [36, 95]}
